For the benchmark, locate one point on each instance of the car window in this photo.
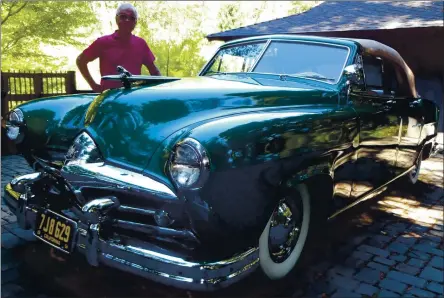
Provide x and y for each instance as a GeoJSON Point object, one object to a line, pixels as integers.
{"type": "Point", "coordinates": [235, 59]}
{"type": "Point", "coordinates": [311, 60]}
{"type": "Point", "coordinates": [391, 85]}
{"type": "Point", "coordinates": [373, 74]}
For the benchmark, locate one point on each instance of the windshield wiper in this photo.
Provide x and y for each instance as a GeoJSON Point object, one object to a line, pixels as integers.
{"type": "Point", "coordinates": [312, 76]}
{"type": "Point", "coordinates": [215, 73]}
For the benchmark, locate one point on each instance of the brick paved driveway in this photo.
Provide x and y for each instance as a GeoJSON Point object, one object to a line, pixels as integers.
{"type": "Point", "coordinates": [387, 247]}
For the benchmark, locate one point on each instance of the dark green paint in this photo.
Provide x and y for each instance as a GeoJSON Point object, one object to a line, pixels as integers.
{"type": "Point", "coordinates": [53, 122]}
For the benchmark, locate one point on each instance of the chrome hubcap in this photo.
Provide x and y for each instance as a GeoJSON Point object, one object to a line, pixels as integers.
{"type": "Point", "coordinates": [285, 228]}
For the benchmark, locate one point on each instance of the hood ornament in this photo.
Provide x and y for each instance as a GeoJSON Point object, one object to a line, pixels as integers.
{"type": "Point", "coordinates": [124, 75]}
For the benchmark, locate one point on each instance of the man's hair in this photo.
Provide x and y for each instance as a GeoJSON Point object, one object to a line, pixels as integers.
{"type": "Point", "coordinates": [127, 6]}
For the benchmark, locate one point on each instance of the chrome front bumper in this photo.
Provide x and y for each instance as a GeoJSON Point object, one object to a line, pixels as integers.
{"type": "Point", "coordinates": [149, 263]}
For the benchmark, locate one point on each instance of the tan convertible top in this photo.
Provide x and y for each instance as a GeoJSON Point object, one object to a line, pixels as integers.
{"type": "Point", "coordinates": [378, 49]}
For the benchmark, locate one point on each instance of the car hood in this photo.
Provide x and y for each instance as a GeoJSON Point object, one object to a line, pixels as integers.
{"type": "Point", "coordinates": [128, 125]}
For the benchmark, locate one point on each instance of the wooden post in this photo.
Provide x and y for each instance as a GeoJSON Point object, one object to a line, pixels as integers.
{"type": "Point", "coordinates": [38, 84]}
{"type": "Point", "coordinates": [5, 95]}
{"type": "Point", "coordinates": [70, 82]}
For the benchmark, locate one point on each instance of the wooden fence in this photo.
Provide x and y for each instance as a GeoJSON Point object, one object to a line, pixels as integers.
{"type": "Point", "coordinates": [24, 86]}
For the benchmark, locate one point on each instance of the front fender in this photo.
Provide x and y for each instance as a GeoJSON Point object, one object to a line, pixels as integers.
{"type": "Point", "coordinates": [53, 122]}
{"type": "Point", "coordinates": [252, 157]}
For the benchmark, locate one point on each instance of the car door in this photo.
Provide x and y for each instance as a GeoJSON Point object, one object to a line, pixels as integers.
{"type": "Point", "coordinates": [379, 130]}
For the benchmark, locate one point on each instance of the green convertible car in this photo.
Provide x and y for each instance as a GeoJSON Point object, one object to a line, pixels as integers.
{"type": "Point", "coordinates": [196, 182]}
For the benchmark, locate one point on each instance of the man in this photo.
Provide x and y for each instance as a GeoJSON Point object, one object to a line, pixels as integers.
{"type": "Point", "coordinates": [120, 48]}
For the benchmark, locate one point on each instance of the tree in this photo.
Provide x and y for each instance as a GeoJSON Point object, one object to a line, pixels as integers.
{"type": "Point", "coordinates": [302, 6]}
{"type": "Point", "coordinates": [27, 27]}
{"type": "Point", "coordinates": [230, 16]}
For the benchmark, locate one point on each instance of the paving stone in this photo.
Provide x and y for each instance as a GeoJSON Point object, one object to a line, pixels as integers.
{"type": "Point", "coordinates": [344, 293]}
{"type": "Point", "coordinates": [429, 249]}
{"type": "Point", "coordinates": [342, 270]}
{"type": "Point", "coordinates": [379, 267]}
{"type": "Point", "coordinates": [398, 247]}
{"type": "Point", "coordinates": [387, 294]}
{"type": "Point", "coordinates": [398, 257]}
{"type": "Point", "coordinates": [9, 262]}
{"type": "Point", "coordinates": [429, 242]}
{"type": "Point", "coordinates": [358, 239]}
{"type": "Point", "coordinates": [10, 241]}
{"type": "Point", "coordinates": [437, 262]}
{"type": "Point", "coordinates": [392, 285]}
{"type": "Point", "coordinates": [438, 227]}
{"type": "Point", "coordinates": [27, 235]}
{"type": "Point", "coordinates": [362, 255]}
{"type": "Point", "coordinates": [435, 287]}
{"type": "Point", "coordinates": [433, 238]}
{"type": "Point", "coordinates": [374, 250]}
{"type": "Point", "coordinates": [384, 261]}
{"type": "Point", "coordinates": [368, 275]}
{"type": "Point", "coordinates": [418, 228]}
{"type": "Point", "coordinates": [439, 234]}
{"type": "Point", "coordinates": [379, 241]}
{"type": "Point", "coordinates": [344, 282]}
{"type": "Point", "coordinates": [321, 287]}
{"type": "Point", "coordinates": [366, 289]}
{"type": "Point", "coordinates": [407, 269]}
{"type": "Point", "coordinates": [408, 241]}
{"type": "Point", "coordinates": [406, 278]}
{"type": "Point", "coordinates": [416, 263]}
{"type": "Point", "coordinates": [9, 276]}
{"type": "Point", "coordinates": [419, 255]}
{"type": "Point", "coordinates": [11, 290]}
{"type": "Point", "coordinates": [420, 293]}
{"type": "Point", "coordinates": [432, 274]}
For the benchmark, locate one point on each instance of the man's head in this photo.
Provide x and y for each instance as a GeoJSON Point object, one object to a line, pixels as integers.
{"type": "Point", "coordinates": [126, 18]}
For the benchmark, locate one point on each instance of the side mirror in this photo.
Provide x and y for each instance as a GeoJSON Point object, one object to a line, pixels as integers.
{"type": "Point", "coordinates": [354, 74]}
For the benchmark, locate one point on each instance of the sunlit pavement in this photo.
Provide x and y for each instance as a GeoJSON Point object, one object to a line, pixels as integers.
{"type": "Point", "coordinates": [390, 246]}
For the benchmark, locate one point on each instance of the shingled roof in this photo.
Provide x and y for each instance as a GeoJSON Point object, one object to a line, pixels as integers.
{"type": "Point", "coordinates": [347, 16]}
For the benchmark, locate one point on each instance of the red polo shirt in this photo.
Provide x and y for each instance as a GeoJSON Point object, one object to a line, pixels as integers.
{"type": "Point", "coordinates": [112, 51]}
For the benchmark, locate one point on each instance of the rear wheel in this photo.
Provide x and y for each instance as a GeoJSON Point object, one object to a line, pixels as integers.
{"type": "Point", "coordinates": [284, 239]}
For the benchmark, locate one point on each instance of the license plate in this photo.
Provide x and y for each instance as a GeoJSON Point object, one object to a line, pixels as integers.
{"type": "Point", "coordinates": [55, 230]}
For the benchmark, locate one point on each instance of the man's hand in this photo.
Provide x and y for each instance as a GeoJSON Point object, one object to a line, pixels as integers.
{"type": "Point", "coordinates": [96, 87]}
{"type": "Point", "coordinates": [82, 65]}
{"type": "Point", "coordinates": [154, 71]}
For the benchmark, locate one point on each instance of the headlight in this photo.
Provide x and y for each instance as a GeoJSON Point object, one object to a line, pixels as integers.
{"type": "Point", "coordinates": [16, 116]}
{"type": "Point", "coordinates": [189, 164]}
{"type": "Point", "coordinates": [14, 121]}
{"type": "Point", "coordinates": [83, 151]}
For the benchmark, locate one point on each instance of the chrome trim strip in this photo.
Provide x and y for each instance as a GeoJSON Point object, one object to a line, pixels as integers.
{"type": "Point", "coordinates": [371, 193]}
{"type": "Point", "coordinates": [124, 208]}
{"type": "Point", "coordinates": [123, 178]}
{"type": "Point", "coordinates": [181, 262]}
{"type": "Point", "coordinates": [267, 44]}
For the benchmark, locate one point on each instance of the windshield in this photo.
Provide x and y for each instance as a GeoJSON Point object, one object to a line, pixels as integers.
{"type": "Point", "coordinates": [236, 59]}
{"type": "Point", "coordinates": [293, 58]}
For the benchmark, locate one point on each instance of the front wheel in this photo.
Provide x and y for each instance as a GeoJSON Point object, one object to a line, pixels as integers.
{"type": "Point", "coordinates": [285, 236]}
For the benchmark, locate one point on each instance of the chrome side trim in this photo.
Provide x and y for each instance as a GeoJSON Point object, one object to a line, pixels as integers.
{"type": "Point", "coordinates": [123, 178]}
{"type": "Point", "coordinates": [141, 211]}
{"type": "Point", "coordinates": [371, 194]}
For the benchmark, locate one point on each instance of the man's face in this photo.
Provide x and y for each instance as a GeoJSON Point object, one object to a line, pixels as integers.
{"type": "Point", "coordinates": [126, 20]}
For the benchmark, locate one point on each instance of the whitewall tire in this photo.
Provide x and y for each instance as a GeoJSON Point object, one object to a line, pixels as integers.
{"type": "Point", "coordinates": [276, 270]}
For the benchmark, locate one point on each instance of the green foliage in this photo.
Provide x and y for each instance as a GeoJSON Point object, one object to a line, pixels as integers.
{"type": "Point", "coordinates": [230, 16]}
{"type": "Point", "coordinates": [29, 25]}
{"type": "Point", "coordinates": [174, 35]}
{"type": "Point", "coordinates": [302, 6]}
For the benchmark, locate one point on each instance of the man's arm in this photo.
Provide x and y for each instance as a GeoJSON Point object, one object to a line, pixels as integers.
{"type": "Point", "coordinates": [82, 64]}
{"type": "Point", "coordinates": [154, 71]}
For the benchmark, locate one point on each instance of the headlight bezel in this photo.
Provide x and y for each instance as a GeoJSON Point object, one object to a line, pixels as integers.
{"type": "Point", "coordinates": [83, 150]}
{"type": "Point", "coordinates": [14, 126]}
{"type": "Point", "coordinates": [203, 163]}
